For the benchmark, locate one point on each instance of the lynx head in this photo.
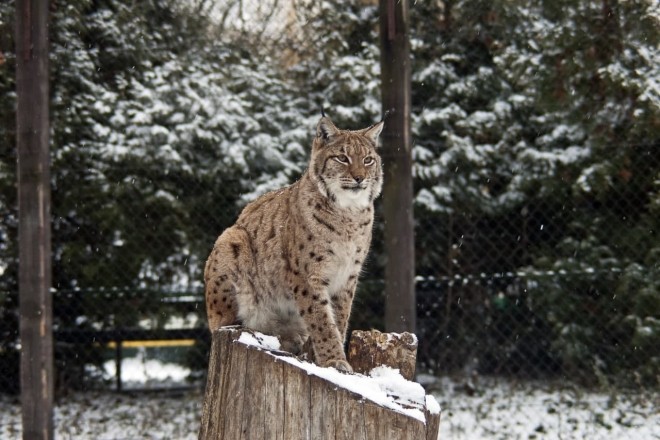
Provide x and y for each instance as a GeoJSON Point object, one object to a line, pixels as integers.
{"type": "Point", "coordinates": [345, 165]}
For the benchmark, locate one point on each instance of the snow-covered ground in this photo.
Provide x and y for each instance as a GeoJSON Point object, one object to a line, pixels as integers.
{"type": "Point", "coordinates": [486, 409]}
{"type": "Point", "coordinates": [141, 372]}
{"type": "Point", "coordinates": [503, 409]}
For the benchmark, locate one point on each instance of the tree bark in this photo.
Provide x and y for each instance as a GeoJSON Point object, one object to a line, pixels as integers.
{"type": "Point", "coordinates": [367, 349]}
{"type": "Point", "coordinates": [400, 310]}
{"type": "Point", "coordinates": [255, 393]}
{"type": "Point", "coordinates": [32, 120]}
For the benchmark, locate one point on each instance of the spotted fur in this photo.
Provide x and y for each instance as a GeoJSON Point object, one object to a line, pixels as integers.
{"type": "Point", "coordinates": [290, 264]}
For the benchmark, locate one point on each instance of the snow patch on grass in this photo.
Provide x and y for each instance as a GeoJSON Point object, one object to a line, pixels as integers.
{"type": "Point", "coordinates": [140, 372]}
{"type": "Point", "coordinates": [481, 409]}
{"type": "Point", "coordinates": [500, 409]}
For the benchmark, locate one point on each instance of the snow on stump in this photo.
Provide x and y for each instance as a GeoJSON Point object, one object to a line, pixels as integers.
{"type": "Point", "coordinates": [256, 391]}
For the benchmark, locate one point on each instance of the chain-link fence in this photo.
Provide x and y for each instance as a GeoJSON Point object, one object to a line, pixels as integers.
{"type": "Point", "coordinates": [488, 300]}
{"type": "Point", "coordinates": [565, 287]}
{"type": "Point", "coordinates": [537, 189]}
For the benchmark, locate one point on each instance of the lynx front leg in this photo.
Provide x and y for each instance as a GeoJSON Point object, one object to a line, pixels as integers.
{"type": "Point", "coordinates": [341, 305]}
{"type": "Point", "coordinates": [315, 309]}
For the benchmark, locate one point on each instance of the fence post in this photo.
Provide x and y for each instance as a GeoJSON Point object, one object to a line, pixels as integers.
{"type": "Point", "coordinates": [118, 347]}
{"type": "Point", "coordinates": [34, 278]}
{"type": "Point", "coordinates": [400, 309]}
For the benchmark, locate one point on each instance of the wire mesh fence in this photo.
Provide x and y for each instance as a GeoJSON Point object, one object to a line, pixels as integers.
{"type": "Point", "coordinates": [537, 177]}
{"type": "Point", "coordinates": [563, 287]}
{"type": "Point", "coordinates": [484, 304]}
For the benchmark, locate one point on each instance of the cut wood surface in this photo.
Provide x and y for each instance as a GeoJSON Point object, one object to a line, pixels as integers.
{"type": "Point", "coordinates": [255, 391]}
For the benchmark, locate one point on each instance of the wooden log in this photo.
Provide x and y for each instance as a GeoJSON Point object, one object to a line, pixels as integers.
{"type": "Point", "coordinates": [369, 349]}
{"type": "Point", "coordinates": [255, 391]}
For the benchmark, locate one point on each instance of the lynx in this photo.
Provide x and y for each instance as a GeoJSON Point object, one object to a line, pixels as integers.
{"type": "Point", "coordinates": [290, 264]}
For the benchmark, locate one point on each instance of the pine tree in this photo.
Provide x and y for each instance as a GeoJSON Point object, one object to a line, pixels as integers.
{"type": "Point", "coordinates": [542, 116]}
{"type": "Point", "coordinates": [536, 162]}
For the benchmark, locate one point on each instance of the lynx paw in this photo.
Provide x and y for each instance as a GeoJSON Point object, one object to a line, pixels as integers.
{"type": "Point", "coordinates": [293, 345]}
{"type": "Point", "coordinates": [340, 365]}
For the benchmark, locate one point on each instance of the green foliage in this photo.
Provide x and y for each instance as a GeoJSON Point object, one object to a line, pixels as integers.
{"type": "Point", "coordinates": [536, 127]}
{"type": "Point", "coordinates": [340, 67]}
{"type": "Point", "coordinates": [537, 196]}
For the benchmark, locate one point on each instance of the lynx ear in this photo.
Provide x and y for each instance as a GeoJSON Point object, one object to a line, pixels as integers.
{"type": "Point", "coordinates": [326, 129]}
{"type": "Point", "coordinates": [374, 131]}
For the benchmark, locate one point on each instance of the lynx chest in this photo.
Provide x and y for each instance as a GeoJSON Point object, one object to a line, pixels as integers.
{"type": "Point", "coordinates": [345, 263]}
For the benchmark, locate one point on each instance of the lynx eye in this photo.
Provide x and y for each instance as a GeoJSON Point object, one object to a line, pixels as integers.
{"type": "Point", "coordinates": [342, 158]}
{"type": "Point", "coordinates": [369, 160]}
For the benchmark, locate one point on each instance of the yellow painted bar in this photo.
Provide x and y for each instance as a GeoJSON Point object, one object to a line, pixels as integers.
{"type": "Point", "coordinates": [151, 344]}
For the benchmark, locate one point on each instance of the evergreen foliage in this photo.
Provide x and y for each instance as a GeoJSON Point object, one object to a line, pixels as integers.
{"type": "Point", "coordinates": [537, 186]}
{"type": "Point", "coordinates": [537, 143]}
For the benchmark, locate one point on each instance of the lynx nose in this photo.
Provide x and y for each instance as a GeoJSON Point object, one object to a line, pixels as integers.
{"type": "Point", "coordinates": [358, 179]}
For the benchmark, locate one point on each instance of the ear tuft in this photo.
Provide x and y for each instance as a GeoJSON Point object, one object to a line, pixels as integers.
{"type": "Point", "coordinates": [326, 129]}
{"type": "Point", "coordinates": [374, 131]}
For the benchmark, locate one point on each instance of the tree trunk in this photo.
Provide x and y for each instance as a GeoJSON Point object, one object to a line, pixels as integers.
{"type": "Point", "coordinates": [254, 392]}
{"type": "Point", "coordinates": [400, 310]}
{"type": "Point", "coordinates": [32, 119]}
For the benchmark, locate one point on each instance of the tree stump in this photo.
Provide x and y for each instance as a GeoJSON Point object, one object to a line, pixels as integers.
{"type": "Point", "coordinates": [368, 349]}
{"type": "Point", "coordinates": [255, 391]}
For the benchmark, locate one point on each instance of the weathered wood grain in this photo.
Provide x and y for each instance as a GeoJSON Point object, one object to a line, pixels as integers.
{"type": "Point", "coordinates": [211, 426]}
{"type": "Point", "coordinates": [234, 379]}
{"type": "Point", "coordinates": [432, 425]}
{"type": "Point", "coordinates": [323, 401]}
{"type": "Point", "coordinates": [254, 409]}
{"type": "Point", "coordinates": [253, 394]}
{"type": "Point", "coordinates": [351, 416]}
{"type": "Point", "coordinates": [273, 397]}
{"type": "Point", "coordinates": [297, 408]}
